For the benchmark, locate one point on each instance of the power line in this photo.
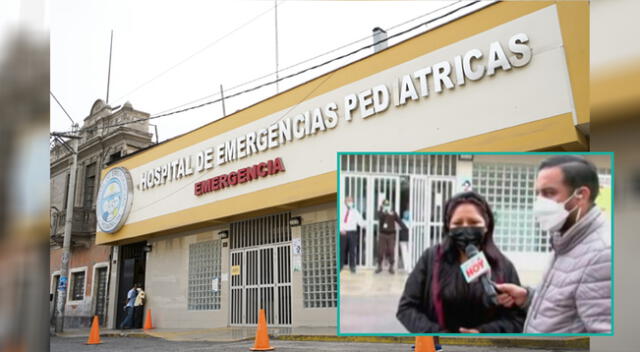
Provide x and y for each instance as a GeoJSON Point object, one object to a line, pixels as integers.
{"type": "Point", "coordinates": [353, 52]}
{"type": "Point", "coordinates": [196, 53]}
{"type": "Point", "coordinates": [317, 65]}
{"type": "Point", "coordinates": [306, 60]}
{"type": "Point", "coordinates": [62, 107]}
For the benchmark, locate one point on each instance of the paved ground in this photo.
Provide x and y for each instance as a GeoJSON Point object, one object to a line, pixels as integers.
{"type": "Point", "coordinates": [150, 344]}
{"type": "Point", "coordinates": [369, 301]}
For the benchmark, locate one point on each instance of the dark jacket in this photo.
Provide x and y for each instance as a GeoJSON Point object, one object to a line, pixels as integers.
{"type": "Point", "coordinates": [387, 222]}
{"type": "Point", "coordinates": [417, 307]}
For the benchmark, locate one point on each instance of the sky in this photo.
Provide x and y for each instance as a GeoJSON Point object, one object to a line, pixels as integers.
{"type": "Point", "coordinates": [170, 53]}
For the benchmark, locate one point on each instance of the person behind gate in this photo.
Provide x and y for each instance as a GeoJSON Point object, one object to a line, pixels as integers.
{"type": "Point", "coordinates": [387, 238]}
{"type": "Point", "coordinates": [350, 220]}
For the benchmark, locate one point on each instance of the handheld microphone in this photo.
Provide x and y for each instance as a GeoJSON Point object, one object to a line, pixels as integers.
{"type": "Point", "coordinates": [477, 267]}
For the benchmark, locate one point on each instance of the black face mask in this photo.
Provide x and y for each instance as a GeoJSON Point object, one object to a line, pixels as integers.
{"type": "Point", "coordinates": [466, 235]}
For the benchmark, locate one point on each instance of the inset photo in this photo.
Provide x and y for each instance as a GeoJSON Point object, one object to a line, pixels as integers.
{"type": "Point", "coordinates": [446, 243]}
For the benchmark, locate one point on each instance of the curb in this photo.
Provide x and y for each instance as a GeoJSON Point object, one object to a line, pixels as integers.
{"type": "Point", "coordinates": [579, 343]}
{"type": "Point", "coordinates": [106, 334]}
{"type": "Point", "coordinates": [575, 343]}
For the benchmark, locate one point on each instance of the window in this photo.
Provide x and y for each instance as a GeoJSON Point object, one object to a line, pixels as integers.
{"type": "Point", "coordinates": [319, 264]}
{"type": "Point", "coordinates": [509, 189]}
{"type": "Point", "coordinates": [77, 286]}
{"type": "Point", "coordinates": [204, 268]}
{"type": "Point", "coordinates": [55, 281]}
{"type": "Point", "coordinates": [260, 231]}
{"type": "Point", "coordinates": [115, 156]}
{"type": "Point", "coordinates": [89, 185]}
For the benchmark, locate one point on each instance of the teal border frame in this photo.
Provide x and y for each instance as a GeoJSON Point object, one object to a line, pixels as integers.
{"type": "Point", "coordinates": [338, 204]}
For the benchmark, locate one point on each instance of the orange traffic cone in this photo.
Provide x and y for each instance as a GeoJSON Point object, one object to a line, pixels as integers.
{"type": "Point", "coordinates": [94, 335]}
{"type": "Point", "coordinates": [262, 336]}
{"type": "Point", "coordinates": [147, 322]}
{"type": "Point", "coordinates": [425, 344]}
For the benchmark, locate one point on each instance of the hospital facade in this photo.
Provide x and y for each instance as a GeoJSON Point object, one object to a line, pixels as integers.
{"type": "Point", "coordinates": [241, 213]}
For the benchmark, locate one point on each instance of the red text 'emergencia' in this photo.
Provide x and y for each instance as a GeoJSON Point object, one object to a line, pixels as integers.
{"type": "Point", "coordinates": [243, 175]}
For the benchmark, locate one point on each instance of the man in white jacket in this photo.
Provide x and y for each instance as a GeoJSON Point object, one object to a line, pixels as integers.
{"type": "Point", "coordinates": [575, 293]}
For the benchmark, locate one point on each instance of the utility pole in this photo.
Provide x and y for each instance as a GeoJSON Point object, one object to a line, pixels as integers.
{"type": "Point", "coordinates": [224, 111]}
{"type": "Point", "coordinates": [109, 73]}
{"type": "Point", "coordinates": [277, 59]}
{"type": "Point", "coordinates": [66, 247]}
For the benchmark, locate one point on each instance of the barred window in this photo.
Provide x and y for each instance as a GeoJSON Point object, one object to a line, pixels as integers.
{"type": "Point", "coordinates": [401, 164]}
{"type": "Point", "coordinates": [319, 264]}
{"type": "Point", "coordinates": [77, 286]}
{"type": "Point", "coordinates": [509, 189]}
{"type": "Point", "coordinates": [89, 185]}
{"type": "Point", "coordinates": [204, 267]}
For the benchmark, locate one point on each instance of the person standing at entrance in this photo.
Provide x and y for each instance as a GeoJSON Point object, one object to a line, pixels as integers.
{"type": "Point", "coordinates": [350, 220]}
{"type": "Point", "coordinates": [138, 307]}
{"type": "Point", "coordinates": [127, 323]}
{"type": "Point", "coordinates": [387, 237]}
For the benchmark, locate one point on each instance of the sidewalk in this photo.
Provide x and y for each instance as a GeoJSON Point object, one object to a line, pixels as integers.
{"type": "Point", "coordinates": [369, 301]}
{"type": "Point", "coordinates": [228, 334]}
{"type": "Point", "coordinates": [328, 334]}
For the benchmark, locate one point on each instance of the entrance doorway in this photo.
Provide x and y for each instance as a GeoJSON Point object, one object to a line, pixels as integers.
{"type": "Point", "coordinates": [132, 270]}
{"type": "Point", "coordinates": [261, 271]}
{"type": "Point", "coordinates": [418, 199]}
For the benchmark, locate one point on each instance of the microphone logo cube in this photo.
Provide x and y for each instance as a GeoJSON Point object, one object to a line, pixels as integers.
{"type": "Point", "coordinates": [475, 267]}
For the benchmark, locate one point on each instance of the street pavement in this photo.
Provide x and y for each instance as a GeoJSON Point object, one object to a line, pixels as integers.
{"type": "Point", "coordinates": [369, 301]}
{"type": "Point", "coordinates": [151, 344]}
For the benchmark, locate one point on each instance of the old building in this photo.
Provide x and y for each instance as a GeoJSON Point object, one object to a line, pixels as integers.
{"type": "Point", "coordinates": [103, 140]}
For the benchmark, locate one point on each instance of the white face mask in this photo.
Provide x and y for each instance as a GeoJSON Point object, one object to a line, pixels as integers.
{"type": "Point", "coordinates": [350, 204]}
{"type": "Point", "coordinates": [550, 214]}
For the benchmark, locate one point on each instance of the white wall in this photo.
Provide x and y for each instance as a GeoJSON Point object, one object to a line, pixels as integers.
{"type": "Point", "coordinates": [167, 278]}
{"type": "Point", "coordinates": [536, 91]}
{"type": "Point", "coordinates": [310, 316]}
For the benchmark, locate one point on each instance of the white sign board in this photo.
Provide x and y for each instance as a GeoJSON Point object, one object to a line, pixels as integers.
{"type": "Point", "coordinates": [475, 267]}
{"type": "Point", "coordinates": [509, 75]}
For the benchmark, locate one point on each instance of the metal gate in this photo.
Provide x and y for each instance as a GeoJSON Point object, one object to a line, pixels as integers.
{"type": "Point", "coordinates": [261, 278]}
{"type": "Point", "coordinates": [367, 192]}
{"type": "Point", "coordinates": [427, 197]}
{"type": "Point", "coordinates": [419, 204]}
{"type": "Point", "coordinates": [261, 271]}
{"type": "Point", "coordinates": [440, 190]}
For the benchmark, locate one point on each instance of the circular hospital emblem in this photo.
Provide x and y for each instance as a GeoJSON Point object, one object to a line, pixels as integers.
{"type": "Point", "coordinates": [114, 200]}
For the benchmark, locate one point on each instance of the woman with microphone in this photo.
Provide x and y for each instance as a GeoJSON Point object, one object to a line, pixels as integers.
{"type": "Point", "coordinates": [437, 297]}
